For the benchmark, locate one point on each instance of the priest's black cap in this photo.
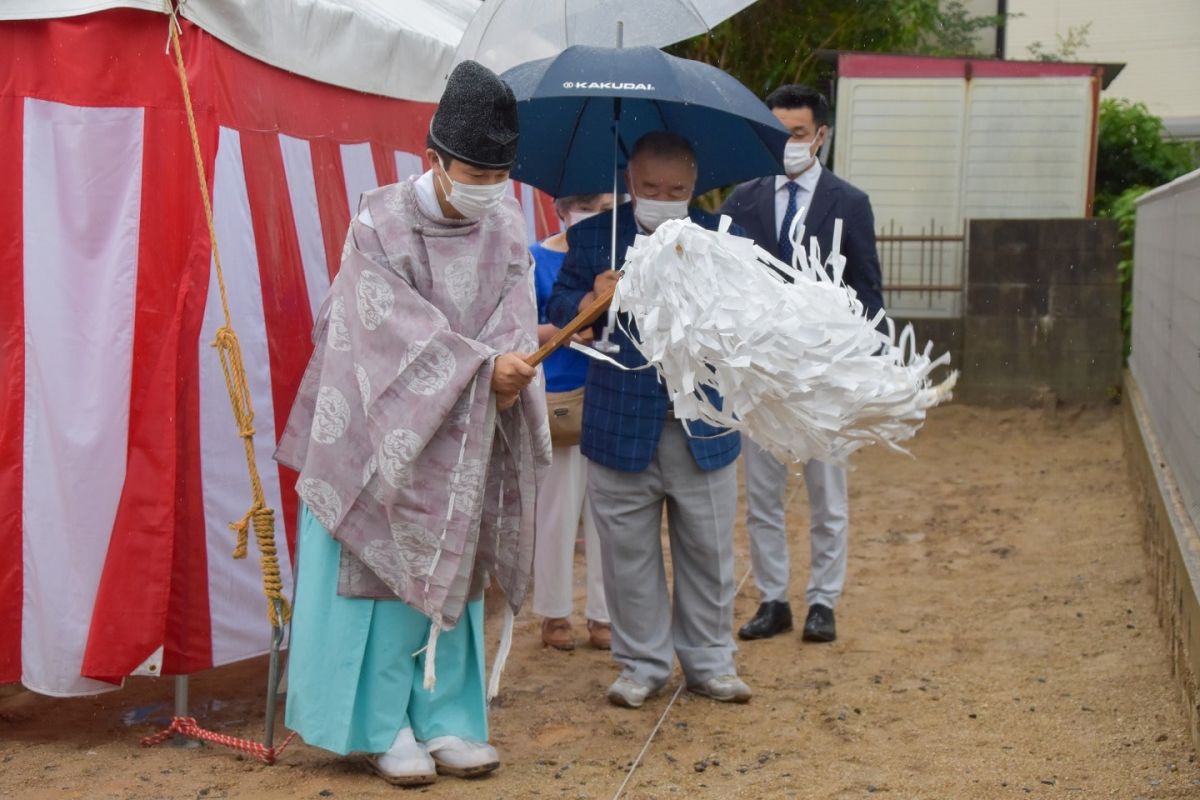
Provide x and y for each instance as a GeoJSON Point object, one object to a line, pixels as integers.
{"type": "Point", "coordinates": [476, 119]}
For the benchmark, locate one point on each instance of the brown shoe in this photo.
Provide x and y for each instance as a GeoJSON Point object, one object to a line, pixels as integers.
{"type": "Point", "coordinates": [600, 635]}
{"type": "Point", "coordinates": [557, 633]}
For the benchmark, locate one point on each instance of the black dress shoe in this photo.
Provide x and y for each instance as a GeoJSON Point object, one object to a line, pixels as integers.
{"type": "Point", "coordinates": [819, 627]}
{"type": "Point", "coordinates": [773, 617]}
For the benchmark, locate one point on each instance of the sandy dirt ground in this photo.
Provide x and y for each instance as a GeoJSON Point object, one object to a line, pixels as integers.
{"type": "Point", "coordinates": [997, 639]}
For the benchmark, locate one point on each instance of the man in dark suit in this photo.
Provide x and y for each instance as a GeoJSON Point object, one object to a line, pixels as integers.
{"type": "Point", "coordinates": [766, 208]}
{"type": "Point", "coordinates": [642, 459]}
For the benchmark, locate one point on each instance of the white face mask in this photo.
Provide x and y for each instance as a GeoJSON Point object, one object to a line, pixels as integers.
{"type": "Point", "coordinates": [798, 156]}
{"type": "Point", "coordinates": [652, 213]}
{"type": "Point", "coordinates": [473, 200]}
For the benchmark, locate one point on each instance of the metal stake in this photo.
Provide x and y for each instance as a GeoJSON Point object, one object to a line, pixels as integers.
{"type": "Point", "coordinates": [181, 710]}
{"type": "Point", "coordinates": [273, 675]}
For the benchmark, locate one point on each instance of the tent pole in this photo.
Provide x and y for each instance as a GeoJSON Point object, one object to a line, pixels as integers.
{"type": "Point", "coordinates": [181, 708]}
{"type": "Point", "coordinates": [273, 677]}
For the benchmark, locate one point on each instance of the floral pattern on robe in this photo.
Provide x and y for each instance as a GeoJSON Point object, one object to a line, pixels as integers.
{"type": "Point", "coordinates": [401, 452]}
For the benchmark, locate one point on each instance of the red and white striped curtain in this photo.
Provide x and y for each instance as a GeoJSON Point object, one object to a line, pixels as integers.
{"type": "Point", "coordinates": [120, 464]}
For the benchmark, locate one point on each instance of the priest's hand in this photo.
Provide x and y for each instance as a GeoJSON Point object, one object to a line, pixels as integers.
{"type": "Point", "coordinates": [509, 376]}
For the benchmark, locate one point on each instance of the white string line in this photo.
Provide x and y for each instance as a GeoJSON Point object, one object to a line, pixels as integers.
{"type": "Point", "coordinates": [678, 691]}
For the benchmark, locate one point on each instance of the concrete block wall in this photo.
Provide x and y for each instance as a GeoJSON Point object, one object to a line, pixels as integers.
{"type": "Point", "coordinates": [1042, 313]}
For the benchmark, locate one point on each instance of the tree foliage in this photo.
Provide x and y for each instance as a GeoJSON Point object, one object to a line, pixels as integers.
{"type": "Point", "coordinates": [1134, 151]}
{"type": "Point", "coordinates": [1132, 157]}
{"type": "Point", "coordinates": [776, 41]}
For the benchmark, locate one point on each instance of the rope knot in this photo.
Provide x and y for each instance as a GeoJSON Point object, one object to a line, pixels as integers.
{"type": "Point", "coordinates": [241, 528]}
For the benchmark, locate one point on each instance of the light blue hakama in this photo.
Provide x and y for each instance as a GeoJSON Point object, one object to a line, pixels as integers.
{"type": "Point", "coordinates": [353, 681]}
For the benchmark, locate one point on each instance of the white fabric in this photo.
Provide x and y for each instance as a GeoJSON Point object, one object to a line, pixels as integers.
{"type": "Point", "coordinates": [807, 181]}
{"type": "Point", "coordinates": [82, 205]}
{"type": "Point", "coordinates": [504, 33]}
{"type": "Point", "coordinates": [561, 505]}
{"type": "Point", "coordinates": [502, 653]}
{"type": "Point", "coordinates": [302, 191]}
{"type": "Point", "coordinates": [47, 9]}
{"type": "Point", "coordinates": [408, 165]}
{"type": "Point", "coordinates": [426, 199]}
{"type": "Point", "coordinates": [829, 526]}
{"type": "Point", "coordinates": [239, 627]}
{"type": "Point", "coordinates": [427, 195]}
{"type": "Point", "coordinates": [358, 169]}
{"type": "Point", "coordinates": [406, 757]}
{"type": "Point", "coordinates": [800, 368]}
{"type": "Point", "coordinates": [395, 49]}
{"type": "Point", "coordinates": [458, 753]}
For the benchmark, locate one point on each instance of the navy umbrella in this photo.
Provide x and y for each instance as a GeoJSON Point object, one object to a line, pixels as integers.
{"type": "Point", "coordinates": [567, 106]}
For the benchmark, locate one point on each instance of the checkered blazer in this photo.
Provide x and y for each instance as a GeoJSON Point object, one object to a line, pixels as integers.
{"type": "Point", "coordinates": [624, 411]}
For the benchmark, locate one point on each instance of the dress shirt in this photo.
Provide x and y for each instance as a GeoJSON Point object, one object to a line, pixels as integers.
{"type": "Point", "coordinates": [807, 181]}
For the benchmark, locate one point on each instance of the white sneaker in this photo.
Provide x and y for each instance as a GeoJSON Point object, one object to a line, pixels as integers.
{"type": "Point", "coordinates": [628, 693]}
{"type": "Point", "coordinates": [461, 758]}
{"type": "Point", "coordinates": [405, 763]}
{"type": "Point", "coordinates": [724, 688]}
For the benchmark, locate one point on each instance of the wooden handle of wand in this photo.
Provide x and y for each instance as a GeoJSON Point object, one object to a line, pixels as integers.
{"type": "Point", "coordinates": [585, 318]}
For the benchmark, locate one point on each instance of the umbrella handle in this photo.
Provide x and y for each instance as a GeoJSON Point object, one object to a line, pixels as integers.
{"type": "Point", "coordinates": [585, 318]}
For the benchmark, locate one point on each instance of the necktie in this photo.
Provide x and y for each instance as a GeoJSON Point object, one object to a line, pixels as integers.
{"type": "Point", "coordinates": [785, 244]}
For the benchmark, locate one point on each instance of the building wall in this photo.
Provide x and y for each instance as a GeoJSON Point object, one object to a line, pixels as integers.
{"type": "Point", "coordinates": [1162, 413]}
{"type": "Point", "coordinates": [1027, 148]}
{"type": "Point", "coordinates": [934, 152]}
{"type": "Point", "coordinates": [1157, 40]}
{"type": "Point", "coordinates": [1043, 318]}
{"type": "Point", "coordinates": [1166, 325]}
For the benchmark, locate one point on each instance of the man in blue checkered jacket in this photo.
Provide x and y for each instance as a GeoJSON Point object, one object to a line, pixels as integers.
{"type": "Point", "coordinates": [642, 459]}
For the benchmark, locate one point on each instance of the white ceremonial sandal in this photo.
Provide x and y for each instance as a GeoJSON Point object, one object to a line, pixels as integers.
{"type": "Point", "coordinates": [461, 758]}
{"type": "Point", "coordinates": [405, 763]}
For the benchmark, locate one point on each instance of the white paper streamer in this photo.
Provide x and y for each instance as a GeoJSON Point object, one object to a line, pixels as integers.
{"type": "Point", "coordinates": [801, 369]}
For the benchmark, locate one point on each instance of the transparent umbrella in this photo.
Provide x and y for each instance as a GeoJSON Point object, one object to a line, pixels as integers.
{"type": "Point", "coordinates": [504, 33]}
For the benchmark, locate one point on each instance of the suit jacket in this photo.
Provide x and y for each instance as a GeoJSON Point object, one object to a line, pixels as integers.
{"type": "Point", "coordinates": [752, 205]}
{"type": "Point", "coordinates": [624, 411]}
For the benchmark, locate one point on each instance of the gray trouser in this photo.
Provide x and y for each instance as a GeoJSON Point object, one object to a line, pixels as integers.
{"type": "Point", "coordinates": [628, 508]}
{"type": "Point", "coordinates": [829, 529]}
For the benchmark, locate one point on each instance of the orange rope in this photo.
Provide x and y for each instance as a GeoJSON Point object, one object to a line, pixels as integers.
{"type": "Point", "coordinates": [230, 352]}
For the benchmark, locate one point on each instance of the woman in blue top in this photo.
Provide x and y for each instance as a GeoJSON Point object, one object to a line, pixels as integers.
{"type": "Point", "coordinates": [562, 500]}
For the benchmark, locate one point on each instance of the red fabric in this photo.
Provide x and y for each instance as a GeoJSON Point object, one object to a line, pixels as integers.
{"type": "Point", "coordinates": [332, 200]}
{"type": "Point", "coordinates": [548, 223]}
{"type": "Point", "coordinates": [385, 164]}
{"type": "Point", "coordinates": [288, 315]}
{"type": "Point", "coordinates": [154, 585]}
{"type": "Point", "coordinates": [151, 547]}
{"type": "Point", "coordinates": [12, 386]}
{"type": "Point", "coordinates": [116, 58]}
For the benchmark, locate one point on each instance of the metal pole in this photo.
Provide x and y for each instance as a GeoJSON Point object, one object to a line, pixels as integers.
{"type": "Point", "coordinates": [181, 710]}
{"type": "Point", "coordinates": [604, 345]}
{"type": "Point", "coordinates": [181, 695]}
{"type": "Point", "coordinates": [273, 676]}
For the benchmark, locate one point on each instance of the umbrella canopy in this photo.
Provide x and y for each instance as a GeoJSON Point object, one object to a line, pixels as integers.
{"type": "Point", "coordinates": [504, 33]}
{"type": "Point", "coordinates": [568, 104]}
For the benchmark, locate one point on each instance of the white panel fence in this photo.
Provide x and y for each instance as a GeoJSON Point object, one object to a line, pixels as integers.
{"type": "Point", "coordinates": [1166, 326]}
